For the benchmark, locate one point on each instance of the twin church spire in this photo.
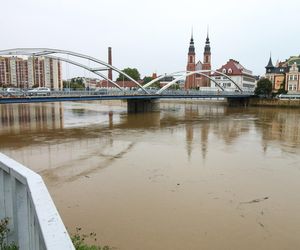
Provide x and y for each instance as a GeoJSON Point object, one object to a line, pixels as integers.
{"type": "Point", "coordinates": [207, 44]}
{"type": "Point", "coordinates": [197, 81]}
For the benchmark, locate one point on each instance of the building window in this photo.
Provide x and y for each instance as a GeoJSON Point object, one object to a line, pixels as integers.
{"type": "Point", "coordinates": [229, 71]}
{"type": "Point", "coordinates": [224, 71]}
{"type": "Point", "coordinates": [191, 59]}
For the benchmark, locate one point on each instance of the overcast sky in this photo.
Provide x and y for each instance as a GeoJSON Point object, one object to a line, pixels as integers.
{"type": "Point", "coordinates": [154, 35]}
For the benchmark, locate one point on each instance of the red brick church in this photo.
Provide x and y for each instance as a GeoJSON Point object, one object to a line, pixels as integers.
{"type": "Point", "coordinates": [196, 81]}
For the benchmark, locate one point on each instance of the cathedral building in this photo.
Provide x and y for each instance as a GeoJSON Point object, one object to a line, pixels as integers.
{"type": "Point", "coordinates": [196, 81]}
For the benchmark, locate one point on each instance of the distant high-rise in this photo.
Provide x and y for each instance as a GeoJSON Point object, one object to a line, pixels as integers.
{"type": "Point", "coordinates": [30, 72]}
{"type": "Point", "coordinates": [4, 71]}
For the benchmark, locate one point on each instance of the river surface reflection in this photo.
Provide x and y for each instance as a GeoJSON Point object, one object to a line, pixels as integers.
{"type": "Point", "coordinates": [192, 176]}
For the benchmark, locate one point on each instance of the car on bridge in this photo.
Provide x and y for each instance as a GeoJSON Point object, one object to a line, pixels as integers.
{"type": "Point", "coordinates": [13, 92]}
{"type": "Point", "coordinates": [100, 92]}
{"type": "Point", "coordinates": [40, 91]}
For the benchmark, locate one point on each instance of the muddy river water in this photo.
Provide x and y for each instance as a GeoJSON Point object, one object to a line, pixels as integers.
{"type": "Point", "coordinates": [192, 176]}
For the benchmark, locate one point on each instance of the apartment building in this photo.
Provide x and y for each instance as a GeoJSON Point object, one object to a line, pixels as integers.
{"type": "Point", "coordinates": [30, 72]}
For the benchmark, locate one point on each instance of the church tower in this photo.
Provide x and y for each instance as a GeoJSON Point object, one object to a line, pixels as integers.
{"type": "Point", "coordinates": [191, 65]}
{"type": "Point", "coordinates": [206, 61]}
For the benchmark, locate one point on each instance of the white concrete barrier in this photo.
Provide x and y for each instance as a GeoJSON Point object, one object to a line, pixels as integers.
{"type": "Point", "coordinates": [34, 221]}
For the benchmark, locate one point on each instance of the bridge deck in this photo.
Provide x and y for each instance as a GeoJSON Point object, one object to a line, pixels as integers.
{"type": "Point", "coordinates": [115, 97]}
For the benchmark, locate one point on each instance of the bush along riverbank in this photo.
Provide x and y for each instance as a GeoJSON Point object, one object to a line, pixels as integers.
{"type": "Point", "coordinates": [78, 239]}
{"type": "Point", "coordinates": [4, 230]}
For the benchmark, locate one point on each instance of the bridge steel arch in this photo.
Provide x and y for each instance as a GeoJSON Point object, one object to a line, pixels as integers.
{"type": "Point", "coordinates": [201, 72]}
{"type": "Point", "coordinates": [161, 77]}
{"type": "Point", "coordinates": [181, 72]}
{"type": "Point", "coordinates": [47, 51]}
{"type": "Point", "coordinates": [84, 67]}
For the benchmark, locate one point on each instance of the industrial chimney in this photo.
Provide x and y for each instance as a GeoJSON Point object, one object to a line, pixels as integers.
{"type": "Point", "coordinates": [110, 63]}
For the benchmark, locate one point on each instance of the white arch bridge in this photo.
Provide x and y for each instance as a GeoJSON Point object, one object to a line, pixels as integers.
{"type": "Point", "coordinates": [144, 93]}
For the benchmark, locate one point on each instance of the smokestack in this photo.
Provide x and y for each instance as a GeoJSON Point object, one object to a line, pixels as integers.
{"type": "Point", "coordinates": [110, 63]}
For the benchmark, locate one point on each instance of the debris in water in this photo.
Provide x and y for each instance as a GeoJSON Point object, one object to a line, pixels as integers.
{"type": "Point", "coordinates": [254, 201]}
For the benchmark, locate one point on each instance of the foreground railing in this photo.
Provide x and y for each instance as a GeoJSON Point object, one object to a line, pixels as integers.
{"type": "Point", "coordinates": [34, 222]}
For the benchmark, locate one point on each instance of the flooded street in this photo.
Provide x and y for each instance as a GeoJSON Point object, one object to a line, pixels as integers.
{"type": "Point", "coordinates": [192, 176]}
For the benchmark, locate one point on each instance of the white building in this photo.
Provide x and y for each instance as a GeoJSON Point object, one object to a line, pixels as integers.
{"type": "Point", "coordinates": [243, 77]}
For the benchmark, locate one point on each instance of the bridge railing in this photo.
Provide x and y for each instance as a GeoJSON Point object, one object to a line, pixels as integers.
{"type": "Point", "coordinates": [34, 222]}
{"type": "Point", "coordinates": [116, 92]}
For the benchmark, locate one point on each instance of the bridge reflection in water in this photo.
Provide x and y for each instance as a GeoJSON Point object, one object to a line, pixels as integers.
{"type": "Point", "coordinates": [78, 128]}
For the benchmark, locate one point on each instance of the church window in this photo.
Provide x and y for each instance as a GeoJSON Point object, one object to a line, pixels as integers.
{"type": "Point", "coordinates": [191, 59]}
{"type": "Point", "coordinates": [206, 59]}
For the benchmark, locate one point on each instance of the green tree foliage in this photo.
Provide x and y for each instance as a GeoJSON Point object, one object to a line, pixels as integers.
{"type": "Point", "coordinates": [78, 241]}
{"type": "Point", "coordinates": [147, 79]}
{"type": "Point", "coordinates": [75, 83]}
{"type": "Point", "coordinates": [263, 88]}
{"type": "Point", "coordinates": [132, 72]}
{"type": "Point", "coordinates": [4, 230]}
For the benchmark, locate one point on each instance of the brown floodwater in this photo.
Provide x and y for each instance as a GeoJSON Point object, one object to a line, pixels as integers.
{"type": "Point", "coordinates": [192, 176]}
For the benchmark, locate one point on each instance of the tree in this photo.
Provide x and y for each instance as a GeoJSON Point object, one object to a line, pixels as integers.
{"type": "Point", "coordinates": [132, 72]}
{"type": "Point", "coordinates": [147, 79]}
{"type": "Point", "coordinates": [76, 83]}
{"type": "Point", "coordinates": [263, 88]}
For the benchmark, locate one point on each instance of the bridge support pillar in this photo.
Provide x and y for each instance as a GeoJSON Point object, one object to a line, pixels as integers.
{"type": "Point", "coordinates": [238, 102]}
{"type": "Point", "coordinates": [142, 105]}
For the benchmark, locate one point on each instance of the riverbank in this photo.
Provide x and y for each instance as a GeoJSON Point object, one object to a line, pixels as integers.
{"type": "Point", "coordinates": [216, 101]}
{"type": "Point", "coordinates": [259, 102]}
{"type": "Point", "coordinates": [253, 102]}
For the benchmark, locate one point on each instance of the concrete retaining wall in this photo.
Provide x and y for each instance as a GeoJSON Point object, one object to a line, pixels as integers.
{"type": "Point", "coordinates": [274, 103]}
